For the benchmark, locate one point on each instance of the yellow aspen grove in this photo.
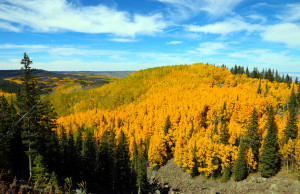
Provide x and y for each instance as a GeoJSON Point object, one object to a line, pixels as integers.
{"type": "Point", "coordinates": [171, 109]}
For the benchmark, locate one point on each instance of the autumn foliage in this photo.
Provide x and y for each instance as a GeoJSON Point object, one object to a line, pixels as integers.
{"type": "Point", "coordinates": [202, 103]}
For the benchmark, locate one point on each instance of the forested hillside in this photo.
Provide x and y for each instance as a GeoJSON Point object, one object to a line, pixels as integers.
{"type": "Point", "coordinates": [198, 114]}
{"type": "Point", "coordinates": [46, 80]}
{"type": "Point", "coordinates": [214, 122]}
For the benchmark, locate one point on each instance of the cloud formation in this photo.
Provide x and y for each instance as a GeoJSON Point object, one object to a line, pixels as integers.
{"type": "Point", "coordinates": [174, 42]}
{"type": "Point", "coordinates": [60, 15]}
{"type": "Point", "coordinates": [209, 48]}
{"type": "Point", "coordinates": [228, 26]}
{"type": "Point", "coordinates": [214, 8]}
{"type": "Point", "coordinates": [286, 33]}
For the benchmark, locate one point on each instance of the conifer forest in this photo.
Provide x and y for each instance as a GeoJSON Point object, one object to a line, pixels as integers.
{"type": "Point", "coordinates": [60, 132]}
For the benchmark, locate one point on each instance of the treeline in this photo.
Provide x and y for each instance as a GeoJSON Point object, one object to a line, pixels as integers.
{"type": "Point", "coordinates": [269, 74]}
{"type": "Point", "coordinates": [68, 161]}
{"type": "Point", "coordinates": [31, 149]}
{"type": "Point", "coordinates": [9, 87]}
{"type": "Point", "coordinates": [46, 80]}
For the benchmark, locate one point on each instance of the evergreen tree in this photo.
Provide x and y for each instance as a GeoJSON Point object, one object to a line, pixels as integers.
{"type": "Point", "coordinates": [247, 72]}
{"type": "Point", "coordinates": [71, 170]}
{"type": "Point", "coordinates": [277, 76]}
{"type": "Point", "coordinates": [4, 129]}
{"type": "Point", "coordinates": [269, 157]}
{"type": "Point", "coordinates": [63, 146]}
{"type": "Point", "coordinates": [266, 89]}
{"type": "Point", "coordinates": [40, 174]}
{"type": "Point", "coordinates": [195, 171]}
{"type": "Point", "coordinates": [27, 102]}
{"type": "Point", "coordinates": [291, 129]}
{"type": "Point", "coordinates": [298, 96]}
{"type": "Point", "coordinates": [167, 125]}
{"type": "Point", "coordinates": [259, 87]}
{"type": "Point", "coordinates": [139, 166]}
{"type": "Point", "coordinates": [255, 73]}
{"type": "Point", "coordinates": [239, 170]}
{"type": "Point", "coordinates": [224, 132]}
{"type": "Point", "coordinates": [105, 164]}
{"type": "Point", "coordinates": [252, 138]}
{"type": "Point", "coordinates": [89, 157]}
{"type": "Point", "coordinates": [123, 178]}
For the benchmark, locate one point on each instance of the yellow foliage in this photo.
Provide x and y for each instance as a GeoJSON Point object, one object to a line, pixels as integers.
{"type": "Point", "coordinates": [193, 96]}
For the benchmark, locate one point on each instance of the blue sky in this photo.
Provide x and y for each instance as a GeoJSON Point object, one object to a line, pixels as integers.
{"type": "Point", "coordinates": [102, 35]}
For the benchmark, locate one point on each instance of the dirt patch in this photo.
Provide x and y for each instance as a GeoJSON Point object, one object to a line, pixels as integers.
{"type": "Point", "coordinates": [171, 179]}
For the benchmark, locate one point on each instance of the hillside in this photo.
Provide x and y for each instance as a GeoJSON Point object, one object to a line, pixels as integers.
{"type": "Point", "coordinates": [47, 80]}
{"type": "Point", "coordinates": [206, 120]}
{"type": "Point", "coordinates": [175, 109]}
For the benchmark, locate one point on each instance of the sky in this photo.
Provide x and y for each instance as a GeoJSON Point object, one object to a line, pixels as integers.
{"type": "Point", "coordinates": [116, 35]}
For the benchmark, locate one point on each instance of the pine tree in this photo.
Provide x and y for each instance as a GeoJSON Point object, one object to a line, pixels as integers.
{"type": "Point", "coordinates": [123, 182]}
{"type": "Point", "coordinates": [139, 166]}
{"type": "Point", "coordinates": [266, 89]}
{"type": "Point", "coordinates": [4, 129]}
{"type": "Point", "coordinates": [298, 96]}
{"type": "Point", "coordinates": [105, 164]}
{"type": "Point", "coordinates": [252, 138]}
{"type": "Point", "coordinates": [27, 102]}
{"type": "Point", "coordinates": [247, 72]}
{"type": "Point", "coordinates": [269, 157]}
{"type": "Point", "coordinates": [195, 171]}
{"type": "Point", "coordinates": [224, 132]}
{"type": "Point", "coordinates": [291, 129]}
{"type": "Point", "coordinates": [167, 125]}
{"type": "Point", "coordinates": [40, 173]}
{"type": "Point", "coordinates": [239, 170]}
{"type": "Point", "coordinates": [259, 87]}
{"type": "Point", "coordinates": [89, 157]}
{"type": "Point", "coordinates": [277, 76]}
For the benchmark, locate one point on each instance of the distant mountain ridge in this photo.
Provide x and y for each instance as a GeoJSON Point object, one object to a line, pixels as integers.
{"type": "Point", "coordinates": [16, 73]}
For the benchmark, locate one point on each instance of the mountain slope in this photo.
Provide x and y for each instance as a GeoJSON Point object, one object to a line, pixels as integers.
{"type": "Point", "coordinates": [173, 110]}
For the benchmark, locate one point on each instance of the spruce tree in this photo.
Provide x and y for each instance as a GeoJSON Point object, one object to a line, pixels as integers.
{"type": "Point", "coordinates": [195, 171]}
{"type": "Point", "coordinates": [105, 164]}
{"type": "Point", "coordinates": [291, 129]}
{"type": "Point", "coordinates": [259, 87]}
{"type": "Point", "coordinates": [167, 125]}
{"type": "Point", "coordinates": [247, 72]}
{"type": "Point", "coordinates": [89, 157]}
{"type": "Point", "coordinates": [239, 170]}
{"type": "Point", "coordinates": [252, 138]}
{"type": "Point", "coordinates": [123, 179]}
{"type": "Point", "coordinates": [27, 102]}
{"type": "Point", "coordinates": [269, 157]}
{"type": "Point", "coordinates": [224, 132]}
{"type": "Point", "coordinates": [277, 76]}
{"type": "Point", "coordinates": [298, 96]}
{"type": "Point", "coordinates": [139, 166]}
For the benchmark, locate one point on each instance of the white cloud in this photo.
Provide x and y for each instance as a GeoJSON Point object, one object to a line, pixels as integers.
{"type": "Point", "coordinates": [278, 60]}
{"type": "Point", "coordinates": [122, 40]}
{"type": "Point", "coordinates": [286, 33]}
{"type": "Point", "coordinates": [7, 26]}
{"type": "Point", "coordinates": [290, 13]}
{"type": "Point", "coordinates": [24, 46]}
{"type": "Point", "coordinates": [215, 8]}
{"type": "Point", "coordinates": [260, 18]}
{"type": "Point", "coordinates": [59, 15]}
{"type": "Point", "coordinates": [225, 27]}
{"type": "Point", "coordinates": [71, 50]}
{"type": "Point", "coordinates": [174, 42]}
{"type": "Point", "coordinates": [209, 48]}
